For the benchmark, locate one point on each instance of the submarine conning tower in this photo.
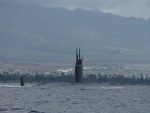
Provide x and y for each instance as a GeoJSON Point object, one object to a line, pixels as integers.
{"type": "Point", "coordinates": [78, 67]}
{"type": "Point", "coordinates": [21, 81]}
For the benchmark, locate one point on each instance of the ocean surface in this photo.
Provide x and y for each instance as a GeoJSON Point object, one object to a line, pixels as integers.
{"type": "Point", "coordinates": [73, 98]}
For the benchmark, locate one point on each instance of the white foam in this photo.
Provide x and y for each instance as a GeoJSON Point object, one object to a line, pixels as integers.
{"type": "Point", "coordinates": [14, 86]}
{"type": "Point", "coordinates": [110, 87]}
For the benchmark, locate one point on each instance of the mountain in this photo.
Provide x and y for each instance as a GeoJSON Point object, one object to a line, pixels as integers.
{"type": "Point", "coordinates": [32, 34]}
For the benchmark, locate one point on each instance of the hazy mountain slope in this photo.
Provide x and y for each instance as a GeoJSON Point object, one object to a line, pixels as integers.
{"type": "Point", "coordinates": [52, 34]}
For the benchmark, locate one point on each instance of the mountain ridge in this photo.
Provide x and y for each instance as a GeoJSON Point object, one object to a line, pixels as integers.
{"type": "Point", "coordinates": [34, 32]}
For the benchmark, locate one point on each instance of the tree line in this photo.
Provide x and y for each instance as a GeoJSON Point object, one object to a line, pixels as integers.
{"type": "Point", "coordinates": [62, 77]}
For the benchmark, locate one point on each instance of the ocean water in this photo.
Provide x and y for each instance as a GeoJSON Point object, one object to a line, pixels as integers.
{"type": "Point", "coordinates": [74, 98]}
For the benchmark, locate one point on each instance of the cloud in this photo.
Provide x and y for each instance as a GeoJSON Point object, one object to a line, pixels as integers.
{"type": "Point", "coordinates": [136, 8]}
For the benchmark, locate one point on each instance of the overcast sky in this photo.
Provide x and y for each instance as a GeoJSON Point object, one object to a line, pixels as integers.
{"type": "Point", "coordinates": [136, 8]}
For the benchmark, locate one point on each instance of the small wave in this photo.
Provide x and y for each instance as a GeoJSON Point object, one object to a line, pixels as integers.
{"type": "Point", "coordinates": [3, 109]}
{"type": "Point", "coordinates": [33, 111]}
{"type": "Point", "coordinates": [90, 88]}
{"type": "Point", "coordinates": [15, 109]}
{"type": "Point", "coordinates": [104, 87]}
{"type": "Point", "coordinates": [14, 86]}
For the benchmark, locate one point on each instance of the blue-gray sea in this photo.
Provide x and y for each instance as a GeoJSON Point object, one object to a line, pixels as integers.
{"type": "Point", "coordinates": [73, 98]}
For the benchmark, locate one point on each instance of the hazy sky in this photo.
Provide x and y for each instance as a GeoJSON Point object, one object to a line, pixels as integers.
{"type": "Point", "coordinates": [136, 8]}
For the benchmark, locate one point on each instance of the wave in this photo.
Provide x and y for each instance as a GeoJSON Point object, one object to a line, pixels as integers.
{"type": "Point", "coordinates": [14, 86]}
{"type": "Point", "coordinates": [106, 87]}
